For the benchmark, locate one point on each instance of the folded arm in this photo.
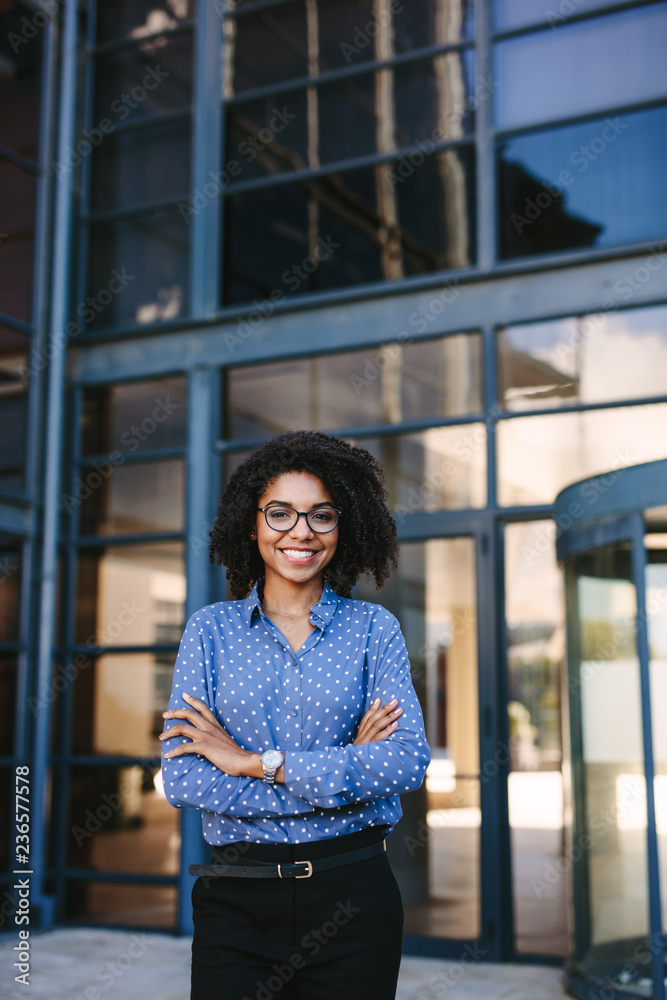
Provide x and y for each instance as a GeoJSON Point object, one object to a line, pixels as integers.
{"type": "Point", "coordinates": [384, 767]}
{"type": "Point", "coordinates": [202, 765]}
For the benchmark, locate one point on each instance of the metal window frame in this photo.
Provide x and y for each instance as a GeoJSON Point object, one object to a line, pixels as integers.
{"type": "Point", "coordinates": [347, 72]}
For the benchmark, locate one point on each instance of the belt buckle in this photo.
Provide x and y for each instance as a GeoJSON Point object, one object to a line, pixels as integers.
{"type": "Point", "coordinates": [309, 869]}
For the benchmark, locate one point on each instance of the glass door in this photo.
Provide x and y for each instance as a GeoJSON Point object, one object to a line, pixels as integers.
{"type": "Point", "coordinates": [436, 849]}
{"type": "Point", "coordinates": [610, 806]}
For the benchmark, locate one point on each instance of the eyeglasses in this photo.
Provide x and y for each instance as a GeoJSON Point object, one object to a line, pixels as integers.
{"type": "Point", "coordinates": [280, 517]}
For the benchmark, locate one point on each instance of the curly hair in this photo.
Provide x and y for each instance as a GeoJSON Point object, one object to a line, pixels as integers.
{"type": "Point", "coordinates": [355, 480]}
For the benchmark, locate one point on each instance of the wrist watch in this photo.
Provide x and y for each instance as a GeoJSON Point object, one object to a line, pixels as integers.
{"type": "Point", "coordinates": [271, 761]}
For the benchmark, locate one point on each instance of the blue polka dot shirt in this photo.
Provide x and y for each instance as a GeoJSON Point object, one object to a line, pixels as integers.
{"type": "Point", "coordinates": [308, 705]}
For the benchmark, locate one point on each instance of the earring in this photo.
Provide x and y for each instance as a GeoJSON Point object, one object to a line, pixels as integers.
{"type": "Point", "coordinates": [253, 536]}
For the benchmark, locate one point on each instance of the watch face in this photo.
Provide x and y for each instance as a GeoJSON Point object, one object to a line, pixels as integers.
{"type": "Point", "coordinates": [272, 758]}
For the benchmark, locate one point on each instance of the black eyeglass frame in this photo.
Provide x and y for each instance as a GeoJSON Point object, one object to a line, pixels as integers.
{"type": "Point", "coordinates": [299, 513]}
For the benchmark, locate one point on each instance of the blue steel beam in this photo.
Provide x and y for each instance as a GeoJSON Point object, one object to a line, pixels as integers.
{"type": "Point", "coordinates": [53, 460]}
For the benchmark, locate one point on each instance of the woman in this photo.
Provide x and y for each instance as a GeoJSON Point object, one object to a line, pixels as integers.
{"type": "Point", "coordinates": [302, 729]}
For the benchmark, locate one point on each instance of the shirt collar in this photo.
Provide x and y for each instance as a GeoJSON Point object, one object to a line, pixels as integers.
{"type": "Point", "coordinates": [322, 612]}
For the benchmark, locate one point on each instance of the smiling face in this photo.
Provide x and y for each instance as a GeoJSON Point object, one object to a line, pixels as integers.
{"type": "Point", "coordinates": [297, 556]}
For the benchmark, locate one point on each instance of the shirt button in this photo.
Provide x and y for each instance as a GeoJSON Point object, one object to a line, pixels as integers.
{"type": "Point", "coordinates": [295, 711]}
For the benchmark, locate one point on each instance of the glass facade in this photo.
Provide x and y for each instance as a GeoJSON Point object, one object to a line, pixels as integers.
{"type": "Point", "coordinates": [436, 229]}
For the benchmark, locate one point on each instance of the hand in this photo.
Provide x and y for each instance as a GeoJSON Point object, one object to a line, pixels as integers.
{"type": "Point", "coordinates": [378, 723]}
{"type": "Point", "coordinates": [208, 738]}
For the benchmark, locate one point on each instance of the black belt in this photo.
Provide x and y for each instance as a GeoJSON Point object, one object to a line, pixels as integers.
{"type": "Point", "coordinates": [289, 869]}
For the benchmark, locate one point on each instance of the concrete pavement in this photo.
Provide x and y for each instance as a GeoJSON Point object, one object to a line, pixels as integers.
{"type": "Point", "coordinates": [102, 964]}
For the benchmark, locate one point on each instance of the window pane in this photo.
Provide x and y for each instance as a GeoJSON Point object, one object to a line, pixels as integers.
{"type": "Point", "coordinates": [611, 920]}
{"type": "Point", "coordinates": [148, 79]}
{"type": "Point", "coordinates": [126, 595]}
{"type": "Point", "coordinates": [434, 22]}
{"type": "Point", "coordinates": [112, 904]}
{"type": "Point", "coordinates": [134, 417]}
{"type": "Point", "coordinates": [7, 779]}
{"type": "Point", "coordinates": [139, 271]}
{"type": "Point", "coordinates": [575, 70]}
{"type": "Point", "coordinates": [10, 593]}
{"type": "Point", "coordinates": [131, 499]}
{"type": "Point", "coordinates": [128, 168]}
{"type": "Point", "coordinates": [15, 371]}
{"type": "Point", "coordinates": [428, 379]}
{"type": "Point", "coordinates": [266, 136]}
{"type": "Point", "coordinates": [424, 102]}
{"type": "Point", "coordinates": [538, 456]}
{"type": "Point", "coordinates": [535, 656]}
{"type": "Point", "coordinates": [268, 47]}
{"type": "Point", "coordinates": [119, 700]}
{"type": "Point", "coordinates": [584, 359]}
{"type": "Point", "coordinates": [344, 35]}
{"type": "Point", "coordinates": [436, 210]}
{"type": "Point", "coordinates": [119, 820]}
{"type": "Point", "coordinates": [19, 82]}
{"type": "Point", "coordinates": [510, 14]}
{"type": "Point", "coordinates": [13, 433]}
{"type": "Point", "coordinates": [436, 853]}
{"type": "Point", "coordinates": [558, 191]}
{"type": "Point", "coordinates": [17, 247]}
{"type": "Point", "coordinates": [439, 469]}
{"type": "Point", "coordinates": [8, 666]}
{"type": "Point", "coordinates": [433, 99]}
{"type": "Point", "coordinates": [351, 32]}
{"type": "Point", "coordinates": [379, 223]}
{"type": "Point", "coordinates": [137, 18]}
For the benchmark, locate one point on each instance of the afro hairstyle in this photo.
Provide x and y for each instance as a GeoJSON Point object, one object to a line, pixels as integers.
{"type": "Point", "coordinates": [355, 480]}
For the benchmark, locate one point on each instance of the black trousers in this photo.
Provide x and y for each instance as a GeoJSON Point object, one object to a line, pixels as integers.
{"type": "Point", "coordinates": [334, 936]}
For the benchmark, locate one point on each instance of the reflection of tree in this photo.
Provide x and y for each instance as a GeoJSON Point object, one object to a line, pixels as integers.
{"type": "Point", "coordinates": [604, 640]}
{"type": "Point", "coordinates": [552, 229]}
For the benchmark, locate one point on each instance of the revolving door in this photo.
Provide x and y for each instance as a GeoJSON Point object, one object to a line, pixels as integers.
{"type": "Point", "coordinates": [613, 543]}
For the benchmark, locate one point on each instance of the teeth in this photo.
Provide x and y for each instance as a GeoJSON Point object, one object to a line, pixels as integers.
{"type": "Point", "coordinates": [299, 553]}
